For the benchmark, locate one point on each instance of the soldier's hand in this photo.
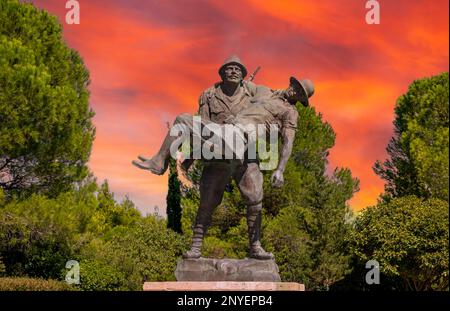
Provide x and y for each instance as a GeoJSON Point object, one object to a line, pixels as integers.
{"type": "Point", "coordinates": [277, 179]}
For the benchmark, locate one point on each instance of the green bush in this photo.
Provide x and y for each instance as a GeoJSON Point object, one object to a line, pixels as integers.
{"type": "Point", "coordinates": [32, 248]}
{"type": "Point", "coordinates": [99, 276]}
{"type": "Point", "coordinates": [147, 251]}
{"type": "Point", "coordinates": [29, 284]}
{"type": "Point", "coordinates": [291, 246]}
{"type": "Point", "coordinates": [38, 235]}
{"type": "Point", "coordinates": [214, 247]}
{"type": "Point", "coordinates": [409, 238]}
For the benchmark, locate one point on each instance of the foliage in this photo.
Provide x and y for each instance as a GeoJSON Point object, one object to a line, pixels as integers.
{"type": "Point", "coordinates": [46, 131]}
{"type": "Point", "coordinates": [291, 244]}
{"type": "Point", "coordinates": [29, 284]}
{"type": "Point", "coordinates": [418, 163]}
{"type": "Point", "coordinates": [31, 247]}
{"type": "Point", "coordinates": [117, 248]}
{"type": "Point", "coordinates": [223, 241]}
{"type": "Point", "coordinates": [409, 238]}
{"type": "Point", "coordinates": [313, 204]}
{"type": "Point", "coordinates": [173, 199]}
{"type": "Point", "coordinates": [100, 276]}
{"type": "Point", "coordinates": [147, 251]}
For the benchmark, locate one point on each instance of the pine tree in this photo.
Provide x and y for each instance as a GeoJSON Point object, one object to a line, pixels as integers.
{"type": "Point", "coordinates": [173, 199]}
{"type": "Point", "coordinates": [309, 217]}
{"type": "Point", "coordinates": [46, 131]}
{"type": "Point", "coordinates": [407, 232]}
{"type": "Point", "coordinates": [418, 152]}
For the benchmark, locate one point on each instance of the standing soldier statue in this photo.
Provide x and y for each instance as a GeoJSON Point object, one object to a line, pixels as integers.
{"type": "Point", "coordinates": [235, 101]}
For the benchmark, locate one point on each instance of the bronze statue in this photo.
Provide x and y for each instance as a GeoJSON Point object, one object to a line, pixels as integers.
{"type": "Point", "coordinates": [238, 102]}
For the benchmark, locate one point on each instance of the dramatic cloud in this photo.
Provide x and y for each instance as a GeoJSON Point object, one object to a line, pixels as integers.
{"type": "Point", "coordinates": [150, 60]}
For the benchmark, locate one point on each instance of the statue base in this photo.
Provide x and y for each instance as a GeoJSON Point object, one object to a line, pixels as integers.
{"type": "Point", "coordinates": [222, 286]}
{"type": "Point", "coordinates": [234, 270]}
{"type": "Point", "coordinates": [208, 274]}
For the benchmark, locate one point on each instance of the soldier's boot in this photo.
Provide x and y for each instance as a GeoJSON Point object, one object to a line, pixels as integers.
{"type": "Point", "coordinates": [196, 247]}
{"type": "Point", "coordinates": [254, 231]}
{"type": "Point", "coordinates": [157, 164]}
{"type": "Point", "coordinates": [143, 158]}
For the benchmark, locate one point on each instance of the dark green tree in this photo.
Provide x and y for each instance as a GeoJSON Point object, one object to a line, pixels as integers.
{"type": "Point", "coordinates": [173, 200]}
{"type": "Point", "coordinates": [309, 218]}
{"type": "Point", "coordinates": [418, 152]}
{"type": "Point", "coordinates": [409, 238]}
{"type": "Point", "coordinates": [46, 131]}
{"type": "Point", "coordinates": [407, 232]}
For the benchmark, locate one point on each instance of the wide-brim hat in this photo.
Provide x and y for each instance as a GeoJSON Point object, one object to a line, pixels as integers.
{"type": "Point", "coordinates": [233, 59]}
{"type": "Point", "coordinates": [304, 88]}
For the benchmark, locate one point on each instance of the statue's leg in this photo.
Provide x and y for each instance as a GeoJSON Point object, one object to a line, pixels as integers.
{"type": "Point", "coordinates": [214, 178]}
{"type": "Point", "coordinates": [250, 182]}
{"type": "Point", "coordinates": [158, 163]}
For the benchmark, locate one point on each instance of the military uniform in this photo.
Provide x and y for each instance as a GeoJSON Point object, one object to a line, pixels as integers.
{"type": "Point", "coordinates": [219, 108]}
{"type": "Point", "coordinates": [270, 109]}
{"type": "Point", "coordinates": [216, 107]}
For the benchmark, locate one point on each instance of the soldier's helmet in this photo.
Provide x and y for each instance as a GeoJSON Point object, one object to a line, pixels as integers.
{"type": "Point", "coordinates": [233, 59]}
{"type": "Point", "coordinates": [305, 89]}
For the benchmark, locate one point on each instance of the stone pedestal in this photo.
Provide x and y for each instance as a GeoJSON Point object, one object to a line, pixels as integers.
{"type": "Point", "coordinates": [222, 286]}
{"type": "Point", "coordinates": [208, 274]}
{"type": "Point", "coordinates": [234, 270]}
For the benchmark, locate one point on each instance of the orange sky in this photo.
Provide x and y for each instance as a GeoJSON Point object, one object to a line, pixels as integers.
{"type": "Point", "coordinates": [150, 60]}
